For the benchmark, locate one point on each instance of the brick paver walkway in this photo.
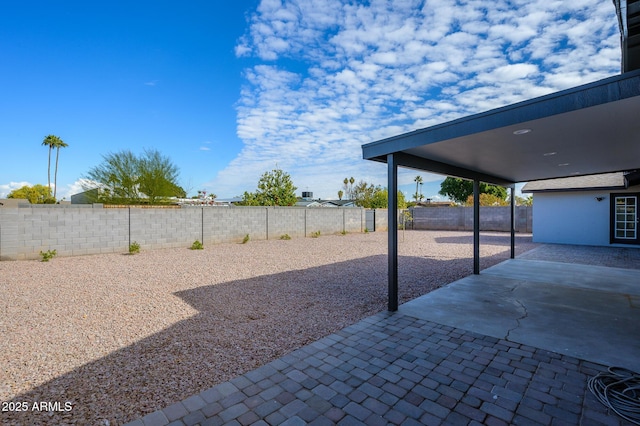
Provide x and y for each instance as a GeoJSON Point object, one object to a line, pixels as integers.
{"type": "Point", "coordinates": [396, 369]}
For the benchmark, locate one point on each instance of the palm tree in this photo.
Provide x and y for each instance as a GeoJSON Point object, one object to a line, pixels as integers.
{"type": "Point", "coordinates": [61, 144]}
{"type": "Point", "coordinates": [418, 181]}
{"type": "Point", "coordinates": [53, 141]}
{"type": "Point", "coordinates": [49, 141]}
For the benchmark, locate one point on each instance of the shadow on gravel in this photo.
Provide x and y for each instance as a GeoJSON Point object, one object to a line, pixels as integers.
{"type": "Point", "coordinates": [240, 325]}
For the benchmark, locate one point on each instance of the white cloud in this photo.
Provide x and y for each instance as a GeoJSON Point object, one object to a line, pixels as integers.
{"type": "Point", "coordinates": [6, 188]}
{"type": "Point", "coordinates": [368, 71]}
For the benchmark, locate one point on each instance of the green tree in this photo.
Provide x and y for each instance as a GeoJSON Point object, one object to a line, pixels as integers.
{"type": "Point", "coordinates": [157, 177]}
{"type": "Point", "coordinates": [363, 194]}
{"type": "Point", "coordinates": [487, 200]}
{"type": "Point", "coordinates": [36, 194]}
{"type": "Point", "coordinates": [275, 188]}
{"type": "Point", "coordinates": [125, 178]}
{"type": "Point", "coordinates": [340, 194]}
{"type": "Point", "coordinates": [381, 199]}
{"type": "Point", "coordinates": [368, 196]}
{"type": "Point", "coordinates": [459, 189]}
{"type": "Point", "coordinates": [524, 201]}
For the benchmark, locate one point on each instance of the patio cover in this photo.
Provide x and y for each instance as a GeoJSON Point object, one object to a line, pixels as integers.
{"type": "Point", "coordinates": [589, 129]}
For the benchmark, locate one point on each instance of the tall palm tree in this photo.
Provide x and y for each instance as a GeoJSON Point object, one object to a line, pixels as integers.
{"type": "Point", "coordinates": [418, 181]}
{"type": "Point", "coordinates": [53, 141]}
{"type": "Point", "coordinates": [351, 182]}
{"type": "Point", "coordinates": [59, 144]}
{"type": "Point", "coordinates": [49, 141]}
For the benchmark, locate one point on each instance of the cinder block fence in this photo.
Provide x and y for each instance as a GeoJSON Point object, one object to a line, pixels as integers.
{"type": "Point", "coordinates": [74, 230]}
{"type": "Point", "coordinates": [461, 218]}
{"type": "Point", "coordinates": [91, 229]}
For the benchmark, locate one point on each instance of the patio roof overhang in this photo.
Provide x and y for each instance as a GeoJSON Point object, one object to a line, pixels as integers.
{"type": "Point", "coordinates": [590, 129]}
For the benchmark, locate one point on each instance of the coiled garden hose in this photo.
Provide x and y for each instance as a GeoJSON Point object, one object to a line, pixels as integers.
{"type": "Point", "coordinates": [619, 390]}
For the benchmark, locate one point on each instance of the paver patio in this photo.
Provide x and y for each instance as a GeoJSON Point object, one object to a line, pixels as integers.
{"type": "Point", "coordinates": [395, 369]}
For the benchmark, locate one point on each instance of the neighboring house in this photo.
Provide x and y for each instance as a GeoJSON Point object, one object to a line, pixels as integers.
{"type": "Point", "coordinates": [325, 203]}
{"type": "Point", "coordinates": [338, 203]}
{"type": "Point", "coordinates": [599, 210]}
{"type": "Point", "coordinates": [228, 201]}
{"type": "Point", "coordinates": [307, 203]}
{"type": "Point", "coordinates": [12, 202]}
{"type": "Point", "coordinates": [86, 197]}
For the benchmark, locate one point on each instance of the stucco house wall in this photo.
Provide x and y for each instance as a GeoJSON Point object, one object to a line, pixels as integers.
{"type": "Point", "coordinates": [579, 209]}
{"type": "Point", "coordinates": [574, 217]}
{"type": "Point", "coordinates": [571, 218]}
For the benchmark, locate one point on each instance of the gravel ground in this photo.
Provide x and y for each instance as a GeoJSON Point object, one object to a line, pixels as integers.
{"type": "Point", "coordinates": [120, 336]}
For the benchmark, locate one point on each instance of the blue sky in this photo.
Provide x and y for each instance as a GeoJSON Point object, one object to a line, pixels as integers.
{"type": "Point", "coordinates": [229, 90]}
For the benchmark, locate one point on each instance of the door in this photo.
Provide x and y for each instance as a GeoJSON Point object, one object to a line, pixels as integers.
{"type": "Point", "coordinates": [625, 218]}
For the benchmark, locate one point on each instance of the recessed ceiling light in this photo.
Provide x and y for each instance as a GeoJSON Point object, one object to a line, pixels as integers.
{"type": "Point", "coordinates": [522, 131]}
{"type": "Point", "coordinates": [563, 164]}
{"type": "Point", "coordinates": [548, 154]}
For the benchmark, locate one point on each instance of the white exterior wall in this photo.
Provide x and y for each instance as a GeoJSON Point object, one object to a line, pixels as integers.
{"type": "Point", "coordinates": [572, 217]}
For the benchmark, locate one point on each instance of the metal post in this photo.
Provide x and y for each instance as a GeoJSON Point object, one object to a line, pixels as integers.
{"type": "Point", "coordinates": [392, 222]}
{"type": "Point", "coordinates": [476, 227]}
{"type": "Point", "coordinates": [513, 222]}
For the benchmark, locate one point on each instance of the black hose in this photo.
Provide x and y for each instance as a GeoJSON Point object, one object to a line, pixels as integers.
{"type": "Point", "coordinates": [619, 390]}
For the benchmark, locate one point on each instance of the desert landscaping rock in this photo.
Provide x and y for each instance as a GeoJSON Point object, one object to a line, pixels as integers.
{"type": "Point", "coordinates": [122, 336]}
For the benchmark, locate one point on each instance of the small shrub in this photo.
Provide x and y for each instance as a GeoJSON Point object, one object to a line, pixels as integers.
{"type": "Point", "coordinates": [344, 232]}
{"type": "Point", "coordinates": [48, 255]}
{"type": "Point", "coordinates": [197, 245]}
{"type": "Point", "coordinates": [134, 248]}
{"type": "Point", "coordinates": [366, 230]}
{"type": "Point", "coordinates": [246, 239]}
{"type": "Point", "coordinates": [285, 237]}
{"type": "Point", "coordinates": [315, 234]}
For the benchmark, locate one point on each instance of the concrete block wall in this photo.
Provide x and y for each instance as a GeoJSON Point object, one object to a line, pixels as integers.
{"type": "Point", "coordinates": [461, 218]}
{"type": "Point", "coordinates": [354, 220]}
{"type": "Point", "coordinates": [382, 220]}
{"type": "Point", "coordinates": [325, 221]}
{"type": "Point", "coordinates": [232, 224]}
{"type": "Point", "coordinates": [163, 228]}
{"type": "Point", "coordinates": [10, 239]}
{"type": "Point", "coordinates": [80, 230]}
{"type": "Point", "coordinates": [73, 230]}
{"type": "Point", "coordinates": [24, 232]}
{"type": "Point", "coordinates": [289, 221]}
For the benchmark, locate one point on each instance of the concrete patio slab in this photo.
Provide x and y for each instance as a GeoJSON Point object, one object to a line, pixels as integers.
{"type": "Point", "coordinates": [585, 311]}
